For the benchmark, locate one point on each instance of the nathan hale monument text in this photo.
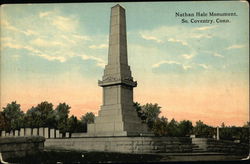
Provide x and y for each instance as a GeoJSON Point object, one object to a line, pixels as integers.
{"type": "Point", "coordinates": [117, 116]}
{"type": "Point", "coordinates": [205, 17]}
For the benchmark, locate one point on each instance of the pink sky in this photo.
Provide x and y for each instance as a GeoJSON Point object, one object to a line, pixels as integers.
{"type": "Point", "coordinates": [213, 105]}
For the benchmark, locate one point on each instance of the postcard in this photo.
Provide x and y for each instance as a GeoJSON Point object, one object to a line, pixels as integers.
{"type": "Point", "coordinates": [124, 82]}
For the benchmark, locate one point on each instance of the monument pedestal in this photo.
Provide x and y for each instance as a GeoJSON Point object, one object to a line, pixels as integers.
{"type": "Point", "coordinates": [117, 120]}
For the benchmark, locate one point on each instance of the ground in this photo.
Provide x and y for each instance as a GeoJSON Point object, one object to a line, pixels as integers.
{"type": "Point", "coordinates": [52, 156]}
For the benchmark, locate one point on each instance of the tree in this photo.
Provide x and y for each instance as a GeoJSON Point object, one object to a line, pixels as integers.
{"type": "Point", "coordinates": [151, 112]}
{"type": "Point", "coordinates": [47, 113]}
{"type": "Point", "coordinates": [33, 118]}
{"type": "Point", "coordinates": [172, 129]}
{"type": "Point", "coordinates": [62, 111]}
{"type": "Point", "coordinates": [72, 124]}
{"type": "Point", "coordinates": [88, 118]}
{"type": "Point", "coordinates": [42, 115]}
{"type": "Point", "coordinates": [203, 130]}
{"type": "Point", "coordinates": [225, 132]}
{"type": "Point", "coordinates": [160, 126]}
{"type": "Point", "coordinates": [3, 122]}
{"type": "Point", "coordinates": [235, 133]}
{"type": "Point", "coordinates": [244, 134]}
{"type": "Point", "coordinates": [185, 128]}
{"type": "Point", "coordinates": [13, 115]}
{"type": "Point", "coordinates": [139, 111]}
{"type": "Point", "coordinates": [61, 116]}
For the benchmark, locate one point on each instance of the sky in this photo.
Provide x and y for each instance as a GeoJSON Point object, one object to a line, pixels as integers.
{"type": "Point", "coordinates": [194, 71]}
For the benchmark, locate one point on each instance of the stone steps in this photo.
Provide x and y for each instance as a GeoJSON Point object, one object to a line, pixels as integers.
{"type": "Point", "coordinates": [203, 145]}
{"type": "Point", "coordinates": [198, 145]}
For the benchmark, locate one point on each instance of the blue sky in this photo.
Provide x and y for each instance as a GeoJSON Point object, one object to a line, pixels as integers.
{"type": "Point", "coordinates": [44, 44]}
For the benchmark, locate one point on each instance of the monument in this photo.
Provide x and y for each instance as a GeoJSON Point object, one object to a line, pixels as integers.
{"type": "Point", "coordinates": [117, 116]}
{"type": "Point", "coordinates": [117, 127]}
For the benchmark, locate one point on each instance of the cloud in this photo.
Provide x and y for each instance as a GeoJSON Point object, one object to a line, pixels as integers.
{"type": "Point", "coordinates": [203, 66]}
{"type": "Point", "coordinates": [204, 28]}
{"type": "Point", "coordinates": [6, 42]}
{"type": "Point", "coordinates": [147, 37]}
{"type": "Point", "coordinates": [178, 41]}
{"type": "Point", "coordinates": [8, 26]}
{"type": "Point", "coordinates": [65, 23]}
{"type": "Point", "coordinates": [177, 34]}
{"type": "Point", "coordinates": [198, 36]}
{"type": "Point", "coordinates": [34, 51]}
{"type": "Point", "coordinates": [9, 43]}
{"type": "Point", "coordinates": [100, 62]}
{"type": "Point", "coordinates": [218, 55]}
{"type": "Point", "coordinates": [165, 62]}
{"type": "Point", "coordinates": [100, 46]}
{"type": "Point", "coordinates": [30, 32]}
{"type": "Point", "coordinates": [19, 46]}
{"type": "Point", "coordinates": [186, 67]}
{"type": "Point", "coordinates": [6, 39]}
{"type": "Point", "coordinates": [58, 38]}
{"type": "Point", "coordinates": [235, 46]}
{"type": "Point", "coordinates": [46, 43]}
{"type": "Point", "coordinates": [51, 58]}
{"type": "Point", "coordinates": [68, 39]}
{"type": "Point", "coordinates": [172, 66]}
{"type": "Point", "coordinates": [45, 14]}
{"type": "Point", "coordinates": [187, 56]}
{"type": "Point", "coordinates": [169, 66]}
{"type": "Point", "coordinates": [179, 65]}
{"type": "Point", "coordinates": [212, 53]}
{"type": "Point", "coordinates": [81, 37]}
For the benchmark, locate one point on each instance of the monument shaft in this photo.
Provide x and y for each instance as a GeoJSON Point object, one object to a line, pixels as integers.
{"type": "Point", "coordinates": [117, 116]}
{"type": "Point", "coordinates": [118, 39]}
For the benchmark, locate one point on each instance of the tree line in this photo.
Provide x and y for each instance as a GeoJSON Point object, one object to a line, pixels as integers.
{"type": "Point", "coordinates": [161, 126]}
{"type": "Point", "coordinates": [44, 115]}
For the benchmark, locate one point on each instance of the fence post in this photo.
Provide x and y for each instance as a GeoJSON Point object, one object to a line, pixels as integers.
{"type": "Point", "coordinates": [16, 133]}
{"type": "Point", "coordinates": [46, 132]}
{"type": "Point", "coordinates": [22, 132]}
{"type": "Point", "coordinates": [218, 133]}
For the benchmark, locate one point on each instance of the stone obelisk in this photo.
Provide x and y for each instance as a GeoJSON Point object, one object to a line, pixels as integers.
{"type": "Point", "coordinates": [117, 116]}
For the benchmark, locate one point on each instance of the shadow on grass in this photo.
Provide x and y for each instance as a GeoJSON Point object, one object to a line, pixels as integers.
{"type": "Point", "coordinates": [51, 156]}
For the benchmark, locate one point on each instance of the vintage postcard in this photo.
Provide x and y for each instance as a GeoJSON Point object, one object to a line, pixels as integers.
{"type": "Point", "coordinates": [124, 82]}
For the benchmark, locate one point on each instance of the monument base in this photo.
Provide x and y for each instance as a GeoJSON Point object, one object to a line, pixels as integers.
{"type": "Point", "coordinates": [100, 130]}
{"type": "Point", "coordinates": [140, 145]}
{"type": "Point", "coordinates": [118, 120]}
{"type": "Point", "coordinates": [80, 135]}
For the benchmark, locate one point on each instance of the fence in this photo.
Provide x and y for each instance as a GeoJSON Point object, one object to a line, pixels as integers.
{"type": "Point", "coordinates": [44, 132]}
